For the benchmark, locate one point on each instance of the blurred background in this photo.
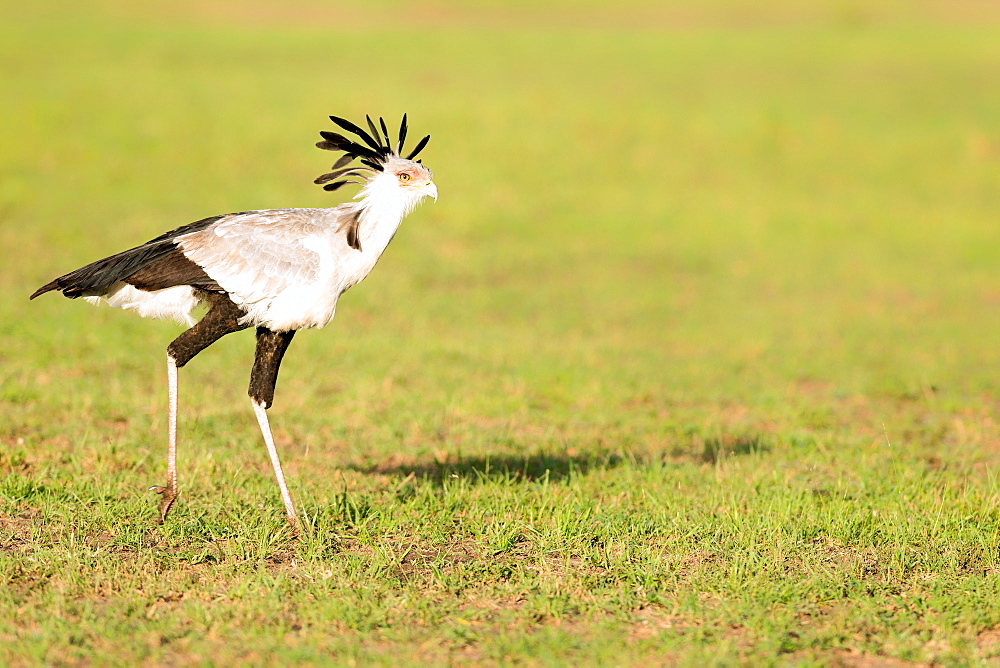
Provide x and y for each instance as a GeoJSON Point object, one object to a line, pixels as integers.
{"type": "Point", "coordinates": [656, 218]}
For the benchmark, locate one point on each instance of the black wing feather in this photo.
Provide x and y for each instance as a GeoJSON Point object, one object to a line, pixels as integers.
{"type": "Point", "coordinates": [96, 277]}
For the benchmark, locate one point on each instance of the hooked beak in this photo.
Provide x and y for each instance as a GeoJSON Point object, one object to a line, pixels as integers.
{"type": "Point", "coordinates": [430, 190]}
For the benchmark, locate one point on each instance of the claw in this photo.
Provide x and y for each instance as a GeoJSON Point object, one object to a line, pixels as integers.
{"type": "Point", "coordinates": [168, 494]}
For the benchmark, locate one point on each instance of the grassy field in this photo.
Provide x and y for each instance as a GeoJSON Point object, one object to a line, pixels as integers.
{"type": "Point", "coordinates": [694, 362]}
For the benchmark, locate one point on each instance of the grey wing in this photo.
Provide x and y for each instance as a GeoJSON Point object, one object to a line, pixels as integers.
{"type": "Point", "coordinates": [255, 256]}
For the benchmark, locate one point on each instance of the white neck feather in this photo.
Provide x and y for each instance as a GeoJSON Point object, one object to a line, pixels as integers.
{"type": "Point", "coordinates": [383, 206]}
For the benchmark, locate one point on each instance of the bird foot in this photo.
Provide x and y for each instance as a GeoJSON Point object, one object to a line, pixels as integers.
{"type": "Point", "coordinates": [293, 522]}
{"type": "Point", "coordinates": [168, 495]}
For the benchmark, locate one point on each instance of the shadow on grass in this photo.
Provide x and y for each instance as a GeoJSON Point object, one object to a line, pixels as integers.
{"type": "Point", "coordinates": [715, 450]}
{"type": "Point", "coordinates": [527, 467]}
{"type": "Point", "coordinates": [559, 466]}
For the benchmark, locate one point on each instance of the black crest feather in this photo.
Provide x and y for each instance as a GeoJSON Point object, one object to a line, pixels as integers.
{"type": "Point", "coordinates": [336, 185]}
{"type": "Point", "coordinates": [373, 149]}
{"type": "Point", "coordinates": [402, 136]}
{"type": "Point", "coordinates": [334, 138]}
{"type": "Point", "coordinates": [350, 171]}
{"type": "Point", "coordinates": [335, 142]}
{"type": "Point", "coordinates": [385, 131]}
{"type": "Point", "coordinates": [354, 129]}
{"type": "Point", "coordinates": [344, 160]}
{"type": "Point", "coordinates": [378, 137]}
{"type": "Point", "coordinates": [419, 148]}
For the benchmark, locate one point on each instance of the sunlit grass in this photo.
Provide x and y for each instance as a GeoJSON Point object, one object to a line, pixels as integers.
{"type": "Point", "coordinates": [694, 360]}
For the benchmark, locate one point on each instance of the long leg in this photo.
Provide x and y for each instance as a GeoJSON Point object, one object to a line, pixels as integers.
{"type": "Point", "coordinates": [271, 348]}
{"type": "Point", "coordinates": [222, 318]}
{"type": "Point", "coordinates": [169, 492]}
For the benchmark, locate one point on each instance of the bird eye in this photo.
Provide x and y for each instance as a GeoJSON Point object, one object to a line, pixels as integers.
{"type": "Point", "coordinates": [404, 176]}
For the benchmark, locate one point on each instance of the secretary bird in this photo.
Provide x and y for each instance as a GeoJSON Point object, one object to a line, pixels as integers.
{"type": "Point", "coordinates": [279, 270]}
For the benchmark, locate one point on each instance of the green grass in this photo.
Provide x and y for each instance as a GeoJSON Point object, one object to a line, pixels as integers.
{"type": "Point", "coordinates": [695, 360]}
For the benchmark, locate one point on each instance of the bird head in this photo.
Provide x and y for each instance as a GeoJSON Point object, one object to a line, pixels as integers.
{"type": "Point", "coordinates": [384, 171]}
{"type": "Point", "coordinates": [403, 178]}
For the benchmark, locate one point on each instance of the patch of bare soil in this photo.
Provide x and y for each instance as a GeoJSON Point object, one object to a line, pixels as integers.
{"type": "Point", "coordinates": [15, 533]}
{"type": "Point", "coordinates": [650, 621]}
{"type": "Point", "coordinates": [988, 642]}
{"type": "Point", "coordinates": [848, 659]}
